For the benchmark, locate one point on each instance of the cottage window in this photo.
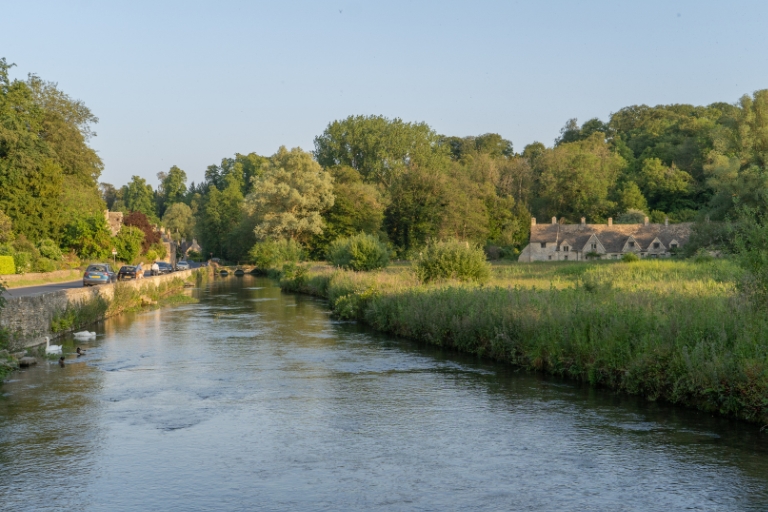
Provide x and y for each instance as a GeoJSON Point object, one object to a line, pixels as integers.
{"type": "Point", "coordinates": [631, 244]}
{"type": "Point", "coordinates": [550, 256]}
{"type": "Point", "coordinates": [655, 245]}
{"type": "Point", "coordinates": [543, 245]}
{"type": "Point", "coordinates": [654, 255]}
{"type": "Point", "coordinates": [565, 257]}
{"type": "Point", "coordinates": [615, 256]}
{"type": "Point", "coordinates": [565, 249]}
{"type": "Point", "coordinates": [594, 246]}
{"type": "Point", "coordinates": [673, 246]}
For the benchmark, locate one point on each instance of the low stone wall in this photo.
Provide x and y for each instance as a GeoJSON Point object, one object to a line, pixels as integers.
{"type": "Point", "coordinates": [29, 317]}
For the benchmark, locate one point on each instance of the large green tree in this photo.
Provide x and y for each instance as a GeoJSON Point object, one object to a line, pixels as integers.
{"type": "Point", "coordinates": [138, 196]}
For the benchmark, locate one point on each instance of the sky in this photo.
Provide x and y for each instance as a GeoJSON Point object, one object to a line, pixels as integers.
{"type": "Point", "coordinates": [188, 83]}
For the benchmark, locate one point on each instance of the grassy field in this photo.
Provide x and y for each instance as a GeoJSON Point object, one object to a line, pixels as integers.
{"type": "Point", "coordinates": [668, 330]}
{"type": "Point", "coordinates": [62, 276]}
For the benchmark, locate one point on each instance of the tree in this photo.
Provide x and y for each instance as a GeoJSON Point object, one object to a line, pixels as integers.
{"type": "Point", "coordinates": [6, 229]}
{"type": "Point", "coordinates": [179, 221]}
{"type": "Point", "coordinates": [89, 237]}
{"type": "Point", "coordinates": [288, 200]}
{"type": "Point", "coordinates": [173, 188]}
{"type": "Point", "coordinates": [109, 194]}
{"type": "Point", "coordinates": [380, 149]}
{"type": "Point", "coordinates": [128, 243]}
{"type": "Point", "coordinates": [141, 221]}
{"type": "Point", "coordinates": [414, 212]}
{"type": "Point", "coordinates": [631, 198]}
{"type": "Point", "coordinates": [577, 177]}
{"type": "Point", "coordinates": [139, 197]}
{"type": "Point", "coordinates": [218, 215]}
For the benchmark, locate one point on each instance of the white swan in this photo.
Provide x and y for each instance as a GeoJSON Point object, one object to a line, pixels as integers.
{"type": "Point", "coordinates": [84, 335]}
{"type": "Point", "coordinates": [51, 349]}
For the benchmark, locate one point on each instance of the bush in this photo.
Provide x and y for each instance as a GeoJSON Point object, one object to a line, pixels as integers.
{"type": "Point", "coordinates": [630, 257]}
{"type": "Point", "coordinates": [359, 252]}
{"type": "Point", "coordinates": [128, 243]}
{"type": "Point", "coordinates": [49, 249]}
{"type": "Point", "coordinates": [23, 262]}
{"type": "Point", "coordinates": [270, 254]}
{"type": "Point", "coordinates": [45, 265]}
{"type": "Point", "coordinates": [452, 260]}
{"type": "Point", "coordinates": [7, 266]}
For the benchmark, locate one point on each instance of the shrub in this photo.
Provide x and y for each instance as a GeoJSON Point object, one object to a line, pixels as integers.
{"type": "Point", "coordinates": [359, 252]}
{"type": "Point", "coordinates": [49, 249]}
{"type": "Point", "coordinates": [44, 265]}
{"type": "Point", "coordinates": [7, 266]}
{"type": "Point", "coordinates": [452, 260]}
{"type": "Point", "coordinates": [631, 216]}
{"type": "Point", "coordinates": [128, 243]}
{"type": "Point", "coordinates": [630, 257]}
{"type": "Point", "coordinates": [23, 262]}
{"type": "Point", "coordinates": [160, 250]}
{"type": "Point", "coordinates": [274, 253]}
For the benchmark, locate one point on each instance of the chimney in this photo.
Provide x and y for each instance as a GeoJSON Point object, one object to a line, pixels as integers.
{"type": "Point", "coordinates": [533, 221]}
{"type": "Point", "coordinates": [610, 221]}
{"type": "Point", "coordinates": [583, 221]}
{"type": "Point", "coordinates": [666, 221]}
{"type": "Point", "coordinates": [645, 221]}
{"type": "Point", "coordinates": [554, 220]}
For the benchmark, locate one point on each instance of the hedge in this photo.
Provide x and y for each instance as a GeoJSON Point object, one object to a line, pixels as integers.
{"type": "Point", "coordinates": [7, 267]}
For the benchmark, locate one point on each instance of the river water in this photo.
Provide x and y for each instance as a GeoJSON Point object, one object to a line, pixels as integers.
{"type": "Point", "coordinates": [253, 399]}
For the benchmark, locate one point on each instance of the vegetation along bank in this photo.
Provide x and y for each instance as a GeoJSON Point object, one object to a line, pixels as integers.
{"type": "Point", "coordinates": [677, 331]}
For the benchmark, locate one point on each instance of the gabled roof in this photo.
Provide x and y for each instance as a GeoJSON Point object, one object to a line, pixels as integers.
{"type": "Point", "coordinates": [612, 237]}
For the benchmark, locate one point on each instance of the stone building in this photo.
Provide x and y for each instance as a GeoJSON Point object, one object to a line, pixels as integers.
{"type": "Point", "coordinates": [578, 242]}
{"type": "Point", "coordinates": [114, 221]}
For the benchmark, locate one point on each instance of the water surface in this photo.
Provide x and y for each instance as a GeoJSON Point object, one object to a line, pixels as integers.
{"type": "Point", "coordinates": [256, 399]}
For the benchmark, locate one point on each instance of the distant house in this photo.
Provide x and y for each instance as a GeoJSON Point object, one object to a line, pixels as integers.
{"type": "Point", "coordinates": [578, 242]}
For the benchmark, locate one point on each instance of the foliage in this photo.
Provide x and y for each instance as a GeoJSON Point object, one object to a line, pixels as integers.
{"type": "Point", "coordinates": [79, 314]}
{"type": "Point", "coordinates": [751, 246]}
{"type": "Point", "coordinates": [139, 220]}
{"type": "Point", "coordinates": [220, 212]}
{"type": "Point", "coordinates": [138, 197]}
{"type": "Point", "coordinates": [6, 229]}
{"type": "Point", "coordinates": [173, 188]}
{"type": "Point", "coordinates": [452, 259]}
{"type": "Point", "coordinates": [89, 237]}
{"type": "Point", "coordinates": [128, 243]}
{"type": "Point", "coordinates": [7, 265]}
{"type": "Point", "coordinates": [630, 257]}
{"type": "Point", "coordinates": [49, 249]}
{"type": "Point", "coordinates": [359, 252]}
{"type": "Point", "coordinates": [179, 221]}
{"type": "Point", "coordinates": [631, 216]}
{"type": "Point", "coordinates": [272, 254]}
{"type": "Point", "coordinates": [288, 199]}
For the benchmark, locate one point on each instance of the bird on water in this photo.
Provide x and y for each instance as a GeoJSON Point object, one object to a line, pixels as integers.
{"type": "Point", "coordinates": [51, 349]}
{"type": "Point", "coordinates": [80, 352]}
{"type": "Point", "coordinates": [61, 361]}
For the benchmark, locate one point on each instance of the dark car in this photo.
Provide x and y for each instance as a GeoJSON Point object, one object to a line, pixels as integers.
{"type": "Point", "coordinates": [128, 272]}
{"type": "Point", "coordinates": [98, 273]}
{"type": "Point", "coordinates": [165, 268]}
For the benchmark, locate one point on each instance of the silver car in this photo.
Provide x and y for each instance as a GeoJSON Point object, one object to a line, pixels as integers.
{"type": "Point", "coordinates": [182, 265]}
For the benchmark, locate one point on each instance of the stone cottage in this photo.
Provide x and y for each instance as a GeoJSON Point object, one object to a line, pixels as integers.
{"type": "Point", "coordinates": [578, 242]}
{"type": "Point", "coordinates": [114, 221]}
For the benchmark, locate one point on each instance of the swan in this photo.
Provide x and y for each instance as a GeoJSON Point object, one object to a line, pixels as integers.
{"type": "Point", "coordinates": [51, 349]}
{"type": "Point", "coordinates": [83, 335]}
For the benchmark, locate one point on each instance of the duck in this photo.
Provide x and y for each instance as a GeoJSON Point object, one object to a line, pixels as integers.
{"type": "Point", "coordinates": [61, 361]}
{"type": "Point", "coordinates": [80, 352]}
{"type": "Point", "coordinates": [51, 349]}
{"type": "Point", "coordinates": [82, 335]}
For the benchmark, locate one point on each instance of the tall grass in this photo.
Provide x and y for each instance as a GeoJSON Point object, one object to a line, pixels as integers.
{"type": "Point", "coordinates": [668, 330]}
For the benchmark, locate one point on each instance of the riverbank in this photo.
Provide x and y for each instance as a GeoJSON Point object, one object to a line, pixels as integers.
{"type": "Point", "coordinates": [26, 321]}
{"type": "Point", "coordinates": [675, 331]}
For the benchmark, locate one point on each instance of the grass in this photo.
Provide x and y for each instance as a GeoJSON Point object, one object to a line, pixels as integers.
{"type": "Point", "coordinates": [41, 279]}
{"type": "Point", "coordinates": [668, 330]}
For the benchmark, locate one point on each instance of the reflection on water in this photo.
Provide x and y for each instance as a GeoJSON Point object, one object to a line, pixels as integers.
{"type": "Point", "coordinates": [257, 399]}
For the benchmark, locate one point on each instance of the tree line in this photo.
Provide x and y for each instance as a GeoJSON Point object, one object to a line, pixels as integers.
{"type": "Point", "coordinates": [400, 181]}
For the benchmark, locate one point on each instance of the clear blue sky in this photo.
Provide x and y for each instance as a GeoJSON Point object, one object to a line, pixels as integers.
{"type": "Point", "coordinates": [188, 83]}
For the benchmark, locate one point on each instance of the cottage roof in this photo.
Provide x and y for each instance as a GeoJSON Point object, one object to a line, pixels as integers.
{"type": "Point", "coordinates": [612, 237]}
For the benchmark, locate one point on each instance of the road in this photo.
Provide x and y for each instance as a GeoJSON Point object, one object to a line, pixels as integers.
{"type": "Point", "coordinates": [53, 287]}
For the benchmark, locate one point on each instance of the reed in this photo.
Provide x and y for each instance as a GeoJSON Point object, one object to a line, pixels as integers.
{"type": "Point", "coordinates": [668, 330]}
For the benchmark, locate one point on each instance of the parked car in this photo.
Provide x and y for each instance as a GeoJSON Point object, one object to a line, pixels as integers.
{"type": "Point", "coordinates": [128, 272]}
{"type": "Point", "coordinates": [182, 265]}
{"type": "Point", "coordinates": [98, 273]}
{"type": "Point", "coordinates": [165, 268]}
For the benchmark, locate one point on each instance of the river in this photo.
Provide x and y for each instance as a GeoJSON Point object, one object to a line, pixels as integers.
{"type": "Point", "coordinates": [253, 399]}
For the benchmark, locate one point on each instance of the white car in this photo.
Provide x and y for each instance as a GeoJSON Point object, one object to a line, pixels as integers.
{"type": "Point", "coordinates": [182, 265]}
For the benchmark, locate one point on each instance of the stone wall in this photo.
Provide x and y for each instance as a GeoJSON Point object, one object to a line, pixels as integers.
{"type": "Point", "coordinates": [29, 318]}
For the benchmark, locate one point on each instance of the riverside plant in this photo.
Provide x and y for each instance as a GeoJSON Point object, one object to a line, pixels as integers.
{"type": "Point", "coordinates": [677, 331]}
